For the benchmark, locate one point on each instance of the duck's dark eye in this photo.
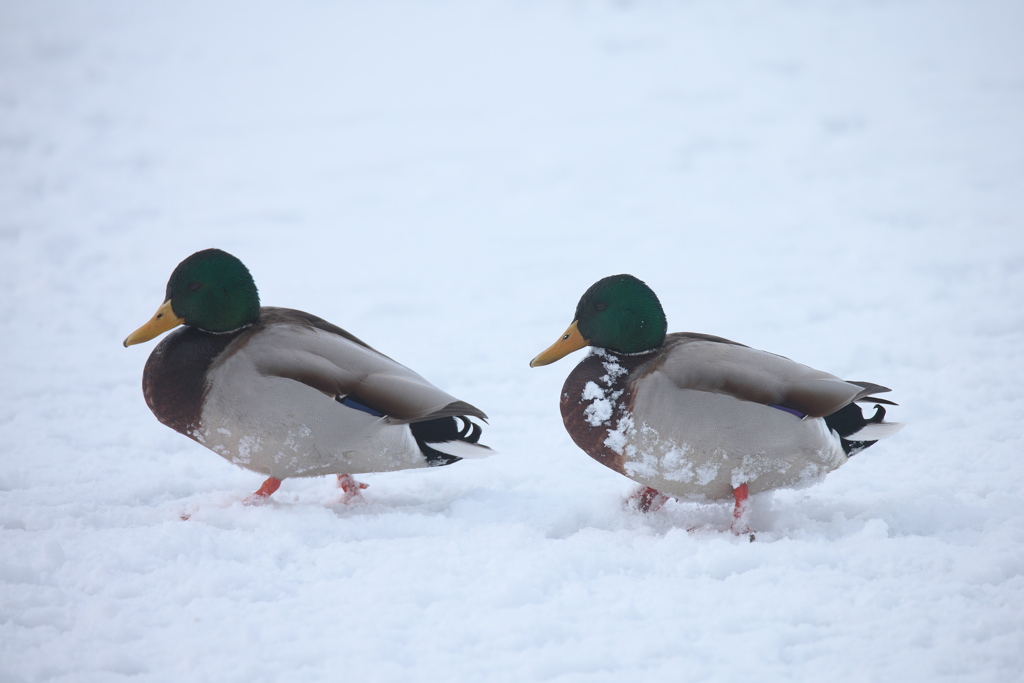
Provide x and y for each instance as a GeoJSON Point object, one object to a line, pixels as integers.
{"type": "Point", "coordinates": [601, 306]}
{"type": "Point", "coordinates": [195, 286]}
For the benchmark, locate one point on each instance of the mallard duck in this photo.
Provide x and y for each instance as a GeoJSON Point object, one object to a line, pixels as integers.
{"type": "Point", "coordinates": [285, 393]}
{"type": "Point", "coordinates": [699, 417]}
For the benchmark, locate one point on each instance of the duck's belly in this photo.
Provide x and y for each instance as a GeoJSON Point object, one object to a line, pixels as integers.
{"type": "Point", "coordinates": [707, 444]}
{"type": "Point", "coordinates": [284, 428]}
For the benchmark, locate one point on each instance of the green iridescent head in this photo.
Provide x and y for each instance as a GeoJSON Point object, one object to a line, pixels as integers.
{"type": "Point", "coordinates": [211, 290]}
{"type": "Point", "coordinates": [618, 313]}
{"type": "Point", "coordinates": [622, 314]}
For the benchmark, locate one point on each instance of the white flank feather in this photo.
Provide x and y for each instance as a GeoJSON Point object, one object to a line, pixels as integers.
{"type": "Point", "coordinates": [463, 449]}
{"type": "Point", "coordinates": [873, 431]}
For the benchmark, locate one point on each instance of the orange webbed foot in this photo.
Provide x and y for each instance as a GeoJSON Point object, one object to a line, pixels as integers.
{"type": "Point", "coordinates": [647, 499]}
{"type": "Point", "coordinates": [351, 489]}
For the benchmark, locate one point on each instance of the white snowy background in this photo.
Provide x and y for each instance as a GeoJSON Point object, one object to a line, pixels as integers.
{"type": "Point", "coordinates": [840, 182]}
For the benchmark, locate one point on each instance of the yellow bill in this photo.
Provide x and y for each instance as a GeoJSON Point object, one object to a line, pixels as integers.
{"type": "Point", "coordinates": [163, 320]}
{"type": "Point", "coordinates": [571, 341]}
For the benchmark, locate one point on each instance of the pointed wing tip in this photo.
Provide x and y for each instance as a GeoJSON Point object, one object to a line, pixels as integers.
{"type": "Point", "coordinates": [868, 391]}
{"type": "Point", "coordinates": [875, 399]}
{"type": "Point", "coordinates": [870, 387]}
{"type": "Point", "coordinates": [463, 409]}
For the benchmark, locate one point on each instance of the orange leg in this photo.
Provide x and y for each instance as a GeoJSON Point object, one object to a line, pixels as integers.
{"type": "Point", "coordinates": [269, 486]}
{"type": "Point", "coordinates": [646, 499]}
{"type": "Point", "coordinates": [740, 512]}
{"type": "Point", "coordinates": [350, 488]}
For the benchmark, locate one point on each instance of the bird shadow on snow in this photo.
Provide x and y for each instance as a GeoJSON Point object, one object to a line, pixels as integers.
{"type": "Point", "coordinates": [431, 505]}
{"type": "Point", "coordinates": [314, 496]}
{"type": "Point", "coordinates": [793, 517]}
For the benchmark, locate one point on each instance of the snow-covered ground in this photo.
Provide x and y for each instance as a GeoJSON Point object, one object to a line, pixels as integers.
{"type": "Point", "coordinates": [841, 182]}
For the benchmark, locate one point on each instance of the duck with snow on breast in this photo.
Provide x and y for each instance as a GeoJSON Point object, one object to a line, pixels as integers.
{"type": "Point", "coordinates": [698, 417]}
{"type": "Point", "coordinates": [285, 393]}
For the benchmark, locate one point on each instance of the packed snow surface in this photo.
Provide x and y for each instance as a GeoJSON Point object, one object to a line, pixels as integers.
{"type": "Point", "coordinates": [839, 182]}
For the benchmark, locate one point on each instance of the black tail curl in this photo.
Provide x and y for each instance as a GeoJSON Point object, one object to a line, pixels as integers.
{"type": "Point", "coordinates": [850, 420]}
{"type": "Point", "coordinates": [440, 430]}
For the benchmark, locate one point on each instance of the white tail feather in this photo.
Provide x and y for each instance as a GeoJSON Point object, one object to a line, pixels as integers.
{"type": "Point", "coordinates": [462, 449]}
{"type": "Point", "coordinates": [873, 431]}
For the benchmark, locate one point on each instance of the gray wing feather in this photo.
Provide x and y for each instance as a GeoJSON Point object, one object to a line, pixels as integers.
{"type": "Point", "coordinates": [339, 364]}
{"type": "Point", "coordinates": [699, 363]}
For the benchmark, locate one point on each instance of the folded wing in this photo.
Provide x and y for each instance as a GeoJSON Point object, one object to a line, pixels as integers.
{"type": "Point", "coordinates": [302, 347]}
{"type": "Point", "coordinates": [703, 363]}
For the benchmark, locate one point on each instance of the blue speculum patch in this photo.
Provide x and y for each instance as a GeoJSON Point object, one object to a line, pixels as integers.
{"type": "Point", "coordinates": [352, 403]}
{"type": "Point", "coordinates": [791, 411]}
